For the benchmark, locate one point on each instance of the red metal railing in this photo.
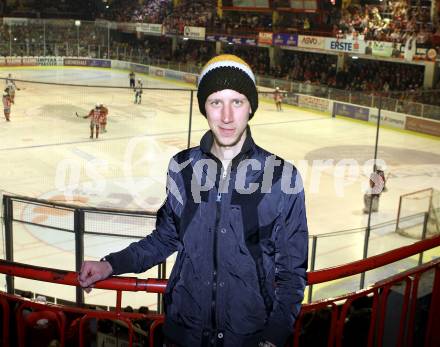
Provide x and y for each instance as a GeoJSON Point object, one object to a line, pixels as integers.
{"type": "Point", "coordinates": [379, 294]}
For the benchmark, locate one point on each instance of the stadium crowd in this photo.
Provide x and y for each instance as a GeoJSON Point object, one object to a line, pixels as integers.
{"type": "Point", "coordinates": [153, 11]}
{"type": "Point", "coordinates": [312, 68]}
{"type": "Point", "coordinates": [391, 21]}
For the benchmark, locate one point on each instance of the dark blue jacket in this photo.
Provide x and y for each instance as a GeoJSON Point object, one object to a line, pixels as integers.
{"type": "Point", "coordinates": [241, 266]}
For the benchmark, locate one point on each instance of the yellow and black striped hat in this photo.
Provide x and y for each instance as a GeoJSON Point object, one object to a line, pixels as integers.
{"type": "Point", "coordinates": [227, 71]}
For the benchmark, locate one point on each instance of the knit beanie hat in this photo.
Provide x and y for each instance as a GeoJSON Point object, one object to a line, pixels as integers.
{"type": "Point", "coordinates": [227, 71]}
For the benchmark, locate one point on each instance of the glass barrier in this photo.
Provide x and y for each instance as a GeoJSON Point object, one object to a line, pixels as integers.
{"type": "Point", "coordinates": [50, 230]}
{"type": "Point", "coordinates": [362, 99]}
{"type": "Point", "coordinates": [339, 95]}
{"type": "Point", "coordinates": [431, 111]}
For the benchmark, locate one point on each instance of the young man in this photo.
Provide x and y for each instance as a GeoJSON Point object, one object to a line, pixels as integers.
{"type": "Point", "coordinates": [278, 97]}
{"type": "Point", "coordinates": [103, 117]}
{"type": "Point", "coordinates": [138, 92]}
{"type": "Point", "coordinates": [6, 105]}
{"type": "Point", "coordinates": [235, 214]}
{"type": "Point", "coordinates": [95, 117]}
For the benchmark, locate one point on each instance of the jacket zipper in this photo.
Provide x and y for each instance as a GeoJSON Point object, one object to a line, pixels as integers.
{"type": "Point", "coordinates": [214, 272]}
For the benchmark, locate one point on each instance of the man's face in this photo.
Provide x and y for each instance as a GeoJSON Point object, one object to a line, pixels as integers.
{"type": "Point", "coordinates": [228, 113]}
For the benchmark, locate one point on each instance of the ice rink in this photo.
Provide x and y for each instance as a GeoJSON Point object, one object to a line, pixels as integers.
{"type": "Point", "coordinates": [45, 152]}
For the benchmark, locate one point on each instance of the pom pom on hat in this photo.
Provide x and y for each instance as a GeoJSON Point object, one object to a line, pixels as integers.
{"type": "Point", "coordinates": [227, 71]}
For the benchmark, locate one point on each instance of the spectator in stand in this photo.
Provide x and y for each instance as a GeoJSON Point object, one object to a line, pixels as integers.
{"type": "Point", "coordinates": [128, 309]}
{"type": "Point", "coordinates": [301, 66]}
{"type": "Point", "coordinates": [190, 13]}
{"type": "Point", "coordinates": [151, 11]}
{"type": "Point", "coordinates": [312, 323]}
{"type": "Point", "coordinates": [306, 24]}
{"type": "Point", "coordinates": [386, 22]}
{"type": "Point", "coordinates": [144, 323]}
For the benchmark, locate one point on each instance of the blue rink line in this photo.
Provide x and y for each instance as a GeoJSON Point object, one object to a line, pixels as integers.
{"type": "Point", "coordinates": [147, 135]}
{"type": "Point", "coordinates": [80, 77]}
{"type": "Point", "coordinates": [82, 154]}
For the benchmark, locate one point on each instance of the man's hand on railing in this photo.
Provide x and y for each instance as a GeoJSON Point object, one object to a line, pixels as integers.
{"type": "Point", "coordinates": [93, 271]}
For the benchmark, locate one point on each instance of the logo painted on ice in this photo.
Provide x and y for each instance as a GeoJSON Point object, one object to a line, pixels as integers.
{"type": "Point", "coordinates": [115, 195]}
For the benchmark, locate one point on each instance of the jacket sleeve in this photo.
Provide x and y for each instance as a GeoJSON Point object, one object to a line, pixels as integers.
{"type": "Point", "coordinates": [152, 249]}
{"type": "Point", "coordinates": [291, 259]}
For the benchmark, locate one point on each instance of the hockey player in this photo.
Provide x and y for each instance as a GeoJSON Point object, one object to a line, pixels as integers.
{"type": "Point", "coordinates": [132, 79]}
{"type": "Point", "coordinates": [94, 116]}
{"type": "Point", "coordinates": [138, 92]}
{"type": "Point", "coordinates": [103, 117]}
{"type": "Point", "coordinates": [377, 186]}
{"type": "Point", "coordinates": [6, 105]}
{"type": "Point", "coordinates": [278, 97]}
{"type": "Point", "coordinates": [11, 87]}
{"type": "Point", "coordinates": [9, 80]}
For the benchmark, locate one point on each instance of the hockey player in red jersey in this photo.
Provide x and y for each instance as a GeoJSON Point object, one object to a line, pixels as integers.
{"type": "Point", "coordinates": [103, 117]}
{"type": "Point", "coordinates": [95, 116]}
{"type": "Point", "coordinates": [278, 97]}
{"type": "Point", "coordinates": [6, 105]}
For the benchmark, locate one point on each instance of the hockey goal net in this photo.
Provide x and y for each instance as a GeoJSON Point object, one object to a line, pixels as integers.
{"type": "Point", "coordinates": [413, 207]}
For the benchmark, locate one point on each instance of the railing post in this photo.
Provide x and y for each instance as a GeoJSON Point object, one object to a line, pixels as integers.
{"type": "Point", "coordinates": [398, 214]}
{"type": "Point", "coordinates": [108, 40]}
{"type": "Point", "coordinates": [312, 267]}
{"type": "Point", "coordinates": [365, 252]}
{"type": "Point", "coordinates": [162, 274]}
{"type": "Point", "coordinates": [190, 118]}
{"type": "Point", "coordinates": [79, 250]}
{"type": "Point", "coordinates": [370, 192]}
{"type": "Point", "coordinates": [8, 216]}
{"type": "Point", "coordinates": [424, 231]}
{"type": "Point", "coordinates": [44, 37]}
{"type": "Point", "coordinates": [433, 324]}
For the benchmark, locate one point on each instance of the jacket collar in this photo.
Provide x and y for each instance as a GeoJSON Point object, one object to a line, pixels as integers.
{"type": "Point", "coordinates": [208, 139]}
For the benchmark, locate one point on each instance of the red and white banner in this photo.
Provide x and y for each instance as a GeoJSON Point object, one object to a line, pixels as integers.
{"type": "Point", "coordinates": [265, 38]}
